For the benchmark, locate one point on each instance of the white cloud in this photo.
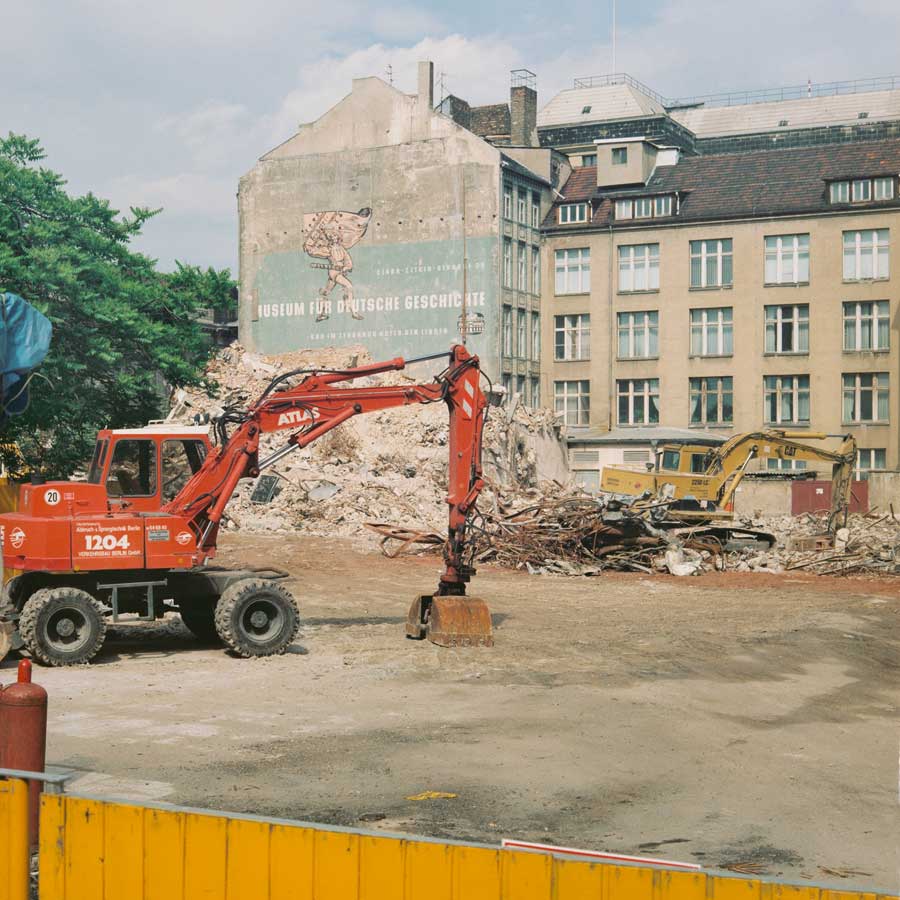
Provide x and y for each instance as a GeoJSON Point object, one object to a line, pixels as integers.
{"type": "Point", "coordinates": [182, 193]}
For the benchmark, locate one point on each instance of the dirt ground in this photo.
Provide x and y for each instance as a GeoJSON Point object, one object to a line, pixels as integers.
{"type": "Point", "coordinates": [728, 720]}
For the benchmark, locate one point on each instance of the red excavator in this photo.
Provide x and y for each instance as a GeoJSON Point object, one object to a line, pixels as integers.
{"type": "Point", "coordinates": [90, 552]}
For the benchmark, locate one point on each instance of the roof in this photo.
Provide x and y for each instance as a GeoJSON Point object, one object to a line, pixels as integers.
{"type": "Point", "coordinates": [610, 101]}
{"type": "Point", "coordinates": [491, 119]}
{"type": "Point", "coordinates": [746, 185]}
{"type": "Point", "coordinates": [645, 435]}
{"type": "Point", "coordinates": [807, 112]}
{"type": "Point", "coordinates": [517, 167]}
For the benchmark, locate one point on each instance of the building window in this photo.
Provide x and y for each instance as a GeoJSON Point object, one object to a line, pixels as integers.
{"type": "Point", "coordinates": [619, 156]}
{"type": "Point", "coordinates": [861, 190]}
{"type": "Point", "coordinates": [712, 332]}
{"type": "Point", "coordinates": [786, 399]}
{"type": "Point", "coordinates": [585, 110]}
{"type": "Point", "coordinates": [638, 401]}
{"type": "Point", "coordinates": [572, 400]}
{"type": "Point", "coordinates": [570, 213]}
{"type": "Point", "coordinates": [776, 464]}
{"type": "Point", "coordinates": [535, 391]}
{"type": "Point", "coordinates": [522, 206]}
{"type": "Point", "coordinates": [869, 460]}
{"type": "Point", "coordinates": [662, 206]}
{"type": "Point", "coordinates": [638, 334]}
{"type": "Point", "coordinates": [711, 264]}
{"type": "Point", "coordinates": [639, 267]}
{"type": "Point", "coordinates": [507, 262]}
{"type": "Point", "coordinates": [521, 334]}
{"type": "Point", "coordinates": [507, 331]}
{"type": "Point", "coordinates": [712, 401]}
{"type": "Point", "coordinates": [867, 326]}
{"type": "Point", "coordinates": [523, 267]}
{"type": "Point", "coordinates": [589, 159]}
{"type": "Point", "coordinates": [535, 270]}
{"type": "Point", "coordinates": [506, 381]}
{"type": "Point", "coordinates": [624, 209]}
{"type": "Point", "coordinates": [573, 337]}
{"type": "Point", "coordinates": [536, 336]}
{"type": "Point", "coordinates": [535, 210]}
{"type": "Point", "coordinates": [787, 329]}
{"type": "Point", "coordinates": [787, 259]}
{"type": "Point", "coordinates": [884, 189]}
{"type": "Point", "coordinates": [643, 207]}
{"type": "Point", "coordinates": [866, 255]}
{"type": "Point", "coordinates": [507, 202]}
{"type": "Point", "coordinates": [520, 387]}
{"type": "Point", "coordinates": [573, 271]}
{"type": "Point", "coordinates": [865, 397]}
{"type": "Point", "coordinates": [840, 192]}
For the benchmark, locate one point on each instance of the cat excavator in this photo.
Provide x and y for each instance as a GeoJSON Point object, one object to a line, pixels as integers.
{"type": "Point", "coordinates": [86, 553]}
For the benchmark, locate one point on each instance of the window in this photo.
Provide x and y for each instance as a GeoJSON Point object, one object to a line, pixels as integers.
{"type": "Point", "coordinates": [535, 391]}
{"type": "Point", "coordinates": [866, 255]}
{"type": "Point", "coordinates": [521, 334]}
{"type": "Point", "coordinates": [624, 209]}
{"type": "Point", "coordinates": [786, 399]}
{"type": "Point", "coordinates": [643, 207]}
{"type": "Point", "coordinates": [506, 381]}
{"type": "Point", "coordinates": [865, 397]}
{"type": "Point", "coordinates": [507, 262]}
{"type": "Point", "coordinates": [572, 337]}
{"type": "Point", "coordinates": [535, 270]}
{"type": "Point", "coordinates": [639, 267]}
{"type": "Point", "coordinates": [507, 331]}
{"type": "Point", "coordinates": [712, 401]}
{"type": "Point", "coordinates": [132, 470]}
{"type": "Point", "coordinates": [535, 210]}
{"type": "Point", "coordinates": [662, 206]}
{"type": "Point", "coordinates": [712, 332]}
{"type": "Point", "coordinates": [787, 329]}
{"type": "Point", "coordinates": [523, 267]}
{"type": "Point", "coordinates": [619, 156]}
{"type": "Point", "coordinates": [570, 213]}
{"type": "Point", "coordinates": [573, 271]}
{"type": "Point", "coordinates": [520, 387]}
{"type": "Point", "coordinates": [867, 325]}
{"type": "Point", "coordinates": [522, 206]}
{"type": "Point", "coordinates": [711, 263]}
{"type": "Point", "coordinates": [589, 159]}
{"type": "Point", "coordinates": [507, 202]}
{"type": "Point", "coordinates": [861, 190]}
{"type": "Point", "coordinates": [180, 460]}
{"type": "Point", "coordinates": [787, 259]}
{"type": "Point", "coordinates": [884, 188]}
{"type": "Point", "coordinates": [585, 110]}
{"type": "Point", "coordinates": [638, 334]}
{"type": "Point", "coordinates": [588, 480]}
{"type": "Point", "coordinates": [572, 400]}
{"type": "Point", "coordinates": [777, 464]}
{"type": "Point", "coordinates": [535, 336]}
{"type": "Point", "coordinates": [869, 460]}
{"type": "Point", "coordinates": [638, 401]}
{"type": "Point", "coordinates": [840, 192]}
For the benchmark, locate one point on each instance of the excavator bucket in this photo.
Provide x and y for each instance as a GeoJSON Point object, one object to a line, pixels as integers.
{"type": "Point", "coordinates": [450, 621]}
{"type": "Point", "coordinates": [7, 629]}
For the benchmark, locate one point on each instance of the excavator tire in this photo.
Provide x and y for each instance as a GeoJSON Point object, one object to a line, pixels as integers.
{"type": "Point", "coordinates": [62, 626]}
{"type": "Point", "coordinates": [199, 618]}
{"type": "Point", "coordinates": [7, 628]}
{"type": "Point", "coordinates": [257, 617]}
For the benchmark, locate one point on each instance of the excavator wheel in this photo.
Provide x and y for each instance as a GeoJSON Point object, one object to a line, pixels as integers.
{"type": "Point", "coordinates": [450, 621]}
{"type": "Point", "coordinates": [257, 617]}
{"type": "Point", "coordinates": [199, 617]}
{"type": "Point", "coordinates": [62, 626]}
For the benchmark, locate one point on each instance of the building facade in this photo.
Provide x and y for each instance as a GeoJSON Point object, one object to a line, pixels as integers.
{"type": "Point", "coordinates": [727, 293]}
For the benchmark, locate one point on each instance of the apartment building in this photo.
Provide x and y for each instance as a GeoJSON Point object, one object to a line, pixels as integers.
{"type": "Point", "coordinates": [727, 293]}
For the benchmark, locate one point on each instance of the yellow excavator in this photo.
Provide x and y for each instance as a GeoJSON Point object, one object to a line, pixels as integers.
{"type": "Point", "coordinates": [711, 475]}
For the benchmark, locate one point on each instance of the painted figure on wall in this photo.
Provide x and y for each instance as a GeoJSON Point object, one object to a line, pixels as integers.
{"type": "Point", "coordinates": [329, 236]}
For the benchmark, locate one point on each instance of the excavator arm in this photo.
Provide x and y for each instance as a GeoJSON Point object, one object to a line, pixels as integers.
{"type": "Point", "coordinates": [315, 405]}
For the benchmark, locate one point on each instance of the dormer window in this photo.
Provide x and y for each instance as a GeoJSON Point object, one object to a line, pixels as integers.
{"type": "Point", "coordinates": [585, 110]}
{"type": "Point", "coordinates": [644, 207]}
{"type": "Point", "coordinates": [662, 206]}
{"type": "Point", "coordinates": [862, 190]}
{"type": "Point", "coordinates": [572, 213]}
{"type": "Point", "coordinates": [884, 188]}
{"type": "Point", "coordinates": [840, 192]}
{"type": "Point", "coordinates": [620, 156]}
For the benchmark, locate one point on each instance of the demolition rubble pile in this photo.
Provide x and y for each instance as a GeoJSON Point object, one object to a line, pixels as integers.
{"type": "Point", "coordinates": [388, 466]}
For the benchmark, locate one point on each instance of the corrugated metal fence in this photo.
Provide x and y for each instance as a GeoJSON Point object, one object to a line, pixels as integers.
{"type": "Point", "coordinates": [96, 850]}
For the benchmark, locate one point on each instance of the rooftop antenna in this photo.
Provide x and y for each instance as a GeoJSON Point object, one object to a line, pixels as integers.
{"type": "Point", "coordinates": [441, 77]}
{"type": "Point", "coordinates": [389, 71]}
{"type": "Point", "coordinates": [614, 37]}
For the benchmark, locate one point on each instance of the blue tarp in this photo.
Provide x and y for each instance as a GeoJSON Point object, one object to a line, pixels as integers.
{"type": "Point", "coordinates": [24, 341]}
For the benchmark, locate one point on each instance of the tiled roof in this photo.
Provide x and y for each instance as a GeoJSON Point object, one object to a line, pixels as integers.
{"type": "Point", "coordinates": [747, 185]}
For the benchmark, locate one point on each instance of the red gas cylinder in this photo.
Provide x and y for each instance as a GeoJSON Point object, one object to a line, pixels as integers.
{"type": "Point", "coordinates": [23, 735]}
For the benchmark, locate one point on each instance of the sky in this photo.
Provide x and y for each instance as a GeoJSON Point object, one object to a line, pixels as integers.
{"type": "Point", "coordinates": [167, 104]}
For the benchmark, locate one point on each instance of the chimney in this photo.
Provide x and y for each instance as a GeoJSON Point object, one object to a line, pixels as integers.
{"type": "Point", "coordinates": [523, 108]}
{"type": "Point", "coordinates": [426, 89]}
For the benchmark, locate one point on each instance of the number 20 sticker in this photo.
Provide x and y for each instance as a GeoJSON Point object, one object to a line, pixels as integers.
{"type": "Point", "coordinates": [51, 497]}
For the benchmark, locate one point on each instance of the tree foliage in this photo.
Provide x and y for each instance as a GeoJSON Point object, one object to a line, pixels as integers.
{"type": "Point", "coordinates": [122, 330]}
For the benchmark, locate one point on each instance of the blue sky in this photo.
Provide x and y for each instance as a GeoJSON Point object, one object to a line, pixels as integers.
{"type": "Point", "coordinates": [167, 104]}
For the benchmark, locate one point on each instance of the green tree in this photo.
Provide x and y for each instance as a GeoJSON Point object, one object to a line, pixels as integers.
{"type": "Point", "coordinates": [122, 331]}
